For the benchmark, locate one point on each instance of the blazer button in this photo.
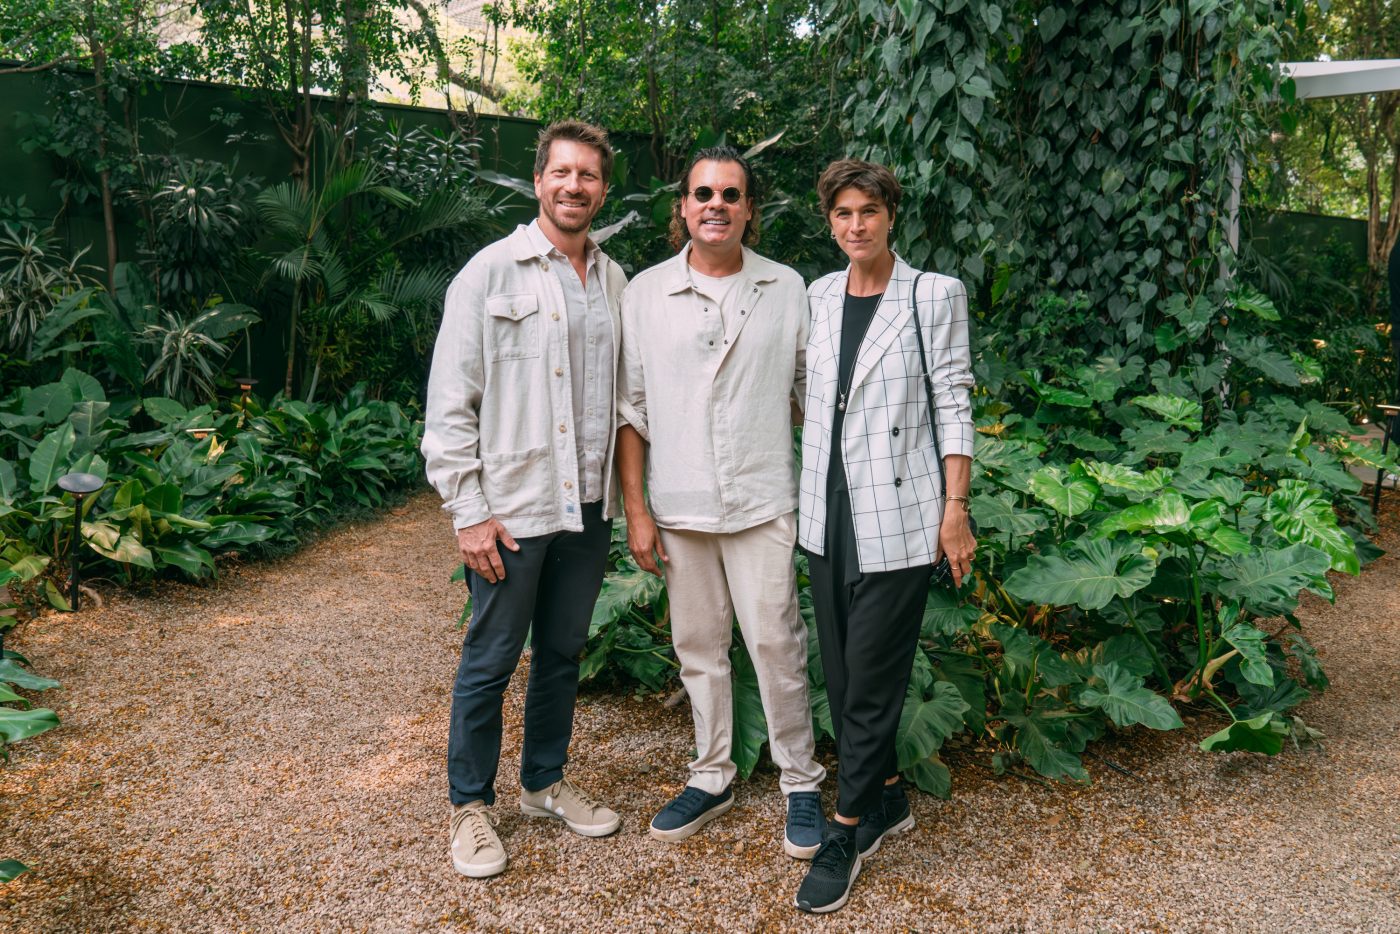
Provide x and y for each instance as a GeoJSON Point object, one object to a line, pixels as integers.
{"type": "Point", "coordinates": [898, 482]}
{"type": "Point", "coordinates": [895, 431]}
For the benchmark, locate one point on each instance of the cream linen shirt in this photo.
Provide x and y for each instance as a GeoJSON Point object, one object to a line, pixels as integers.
{"type": "Point", "coordinates": [711, 397]}
{"type": "Point", "coordinates": [498, 435]}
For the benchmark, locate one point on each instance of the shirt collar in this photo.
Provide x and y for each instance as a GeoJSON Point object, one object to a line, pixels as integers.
{"type": "Point", "coordinates": [756, 268]}
{"type": "Point", "coordinates": [540, 245]}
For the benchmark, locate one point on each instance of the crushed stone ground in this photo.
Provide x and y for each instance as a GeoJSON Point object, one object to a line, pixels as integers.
{"type": "Point", "coordinates": [265, 753]}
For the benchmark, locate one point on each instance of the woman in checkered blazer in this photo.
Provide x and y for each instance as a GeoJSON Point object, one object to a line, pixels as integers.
{"type": "Point", "coordinates": [872, 516]}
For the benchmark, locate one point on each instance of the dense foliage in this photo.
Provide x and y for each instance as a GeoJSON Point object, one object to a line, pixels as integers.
{"type": "Point", "coordinates": [1156, 479]}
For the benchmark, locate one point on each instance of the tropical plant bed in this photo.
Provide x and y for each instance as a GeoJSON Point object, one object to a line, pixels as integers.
{"type": "Point", "coordinates": [266, 752]}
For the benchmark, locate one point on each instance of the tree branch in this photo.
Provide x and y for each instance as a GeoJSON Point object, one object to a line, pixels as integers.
{"type": "Point", "coordinates": [446, 72]}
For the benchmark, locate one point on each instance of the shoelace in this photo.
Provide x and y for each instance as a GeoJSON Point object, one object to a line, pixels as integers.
{"type": "Point", "coordinates": [481, 820]}
{"type": "Point", "coordinates": [804, 811]}
{"type": "Point", "coordinates": [568, 788]}
{"type": "Point", "coordinates": [835, 853]}
{"type": "Point", "coordinates": [691, 800]}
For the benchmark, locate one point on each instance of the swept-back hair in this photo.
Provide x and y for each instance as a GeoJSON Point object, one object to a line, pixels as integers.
{"type": "Point", "coordinates": [578, 132]}
{"type": "Point", "coordinates": [679, 234]}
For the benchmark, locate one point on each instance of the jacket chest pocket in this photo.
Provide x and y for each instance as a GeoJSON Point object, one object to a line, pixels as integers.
{"type": "Point", "coordinates": [513, 326]}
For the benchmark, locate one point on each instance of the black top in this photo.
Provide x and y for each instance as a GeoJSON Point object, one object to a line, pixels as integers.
{"type": "Point", "coordinates": [856, 315]}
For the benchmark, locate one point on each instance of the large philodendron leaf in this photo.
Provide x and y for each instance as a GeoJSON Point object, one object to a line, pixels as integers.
{"type": "Point", "coordinates": [924, 724]}
{"type": "Point", "coordinates": [1269, 582]}
{"type": "Point", "coordinates": [1002, 512]}
{"type": "Point", "coordinates": [750, 725]}
{"type": "Point", "coordinates": [1164, 513]}
{"type": "Point", "coordinates": [16, 725]}
{"type": "Point", "coordinates": [12, 673]}
{"type": "Point", "coordinates": [946, 614]}
{"type": "Point", "coordinates": [1044, 740]}
{"type": "Point", "coordinates": [1126, 478]}
{"type": "Point", "coordinates": [1090, 575]}
{"type": "Point", "coordinates": [50, 459]}
{"type": "Point", "coordinates": [1254, 659]}
{"type": "Point", "coordinates": [621, 590]}
{"type": "Point", "coordinates": [1174, 410]}
{"type": "Point", "coordinates": [1265, 733]}
{"type": "Point", "coordinates": [1301, 514]}
{"type": "Point", "coordinates": [1122, 696]}
{"type": "Point", "coordinates": [1063, 491]}
{"type": "Point", "coordinates": [11, 869]}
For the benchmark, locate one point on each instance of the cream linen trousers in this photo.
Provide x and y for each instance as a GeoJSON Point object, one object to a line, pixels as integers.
{"type": "Point", "coordinates": [711, 576]}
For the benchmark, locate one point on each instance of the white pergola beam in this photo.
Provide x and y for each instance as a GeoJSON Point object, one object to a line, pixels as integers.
{"type": "Point", "coordinates": [1341, 79]}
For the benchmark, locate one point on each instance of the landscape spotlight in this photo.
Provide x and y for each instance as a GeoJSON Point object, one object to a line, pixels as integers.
{"type": "Point", "coordinates": [80, 485]}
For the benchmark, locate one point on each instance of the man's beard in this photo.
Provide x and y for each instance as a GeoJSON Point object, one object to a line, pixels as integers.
{"type": "Point", "coordinates": [570, 228]}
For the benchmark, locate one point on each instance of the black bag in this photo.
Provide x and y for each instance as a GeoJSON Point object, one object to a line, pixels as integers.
{"type": "Point", "coordinates": [942, 572]}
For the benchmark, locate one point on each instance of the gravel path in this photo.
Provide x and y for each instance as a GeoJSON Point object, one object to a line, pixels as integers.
{"type": "Point", "coordinates": [266, 754]}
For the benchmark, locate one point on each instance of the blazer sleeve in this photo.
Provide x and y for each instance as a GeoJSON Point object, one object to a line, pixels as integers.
{"type": "Point", "coordinates": [950, 366]}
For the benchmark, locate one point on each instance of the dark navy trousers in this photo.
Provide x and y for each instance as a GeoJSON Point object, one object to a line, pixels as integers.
{"type": "Point", "coordinates": [549, 590]}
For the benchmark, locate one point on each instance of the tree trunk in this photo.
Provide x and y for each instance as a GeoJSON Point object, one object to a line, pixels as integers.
{"type": "Point", "coordinates": [99, 74]}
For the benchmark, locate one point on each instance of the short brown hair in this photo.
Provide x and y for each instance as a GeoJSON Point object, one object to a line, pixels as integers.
{"type": "Point", "coordinates": [579, 132]}
{"type": "Point", "coordinates": [679, 233]}
{"type": "Point", "coordinates": [870, 177]}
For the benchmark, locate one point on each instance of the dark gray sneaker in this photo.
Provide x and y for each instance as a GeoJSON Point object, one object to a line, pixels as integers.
{"type": "Point", "coordinates": [834, 870]}
{"type": "Point", "coordinates": [803, 835]}
{"type": "Point", "coordinates": [688, 812]}
{"type": "Point", "coordinates": [891, 817]}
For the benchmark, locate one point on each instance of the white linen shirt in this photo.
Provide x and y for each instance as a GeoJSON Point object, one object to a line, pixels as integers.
{"type": "Point", "coordinates": [711, 397]}
{"type": "Point", "coordinates": [892, 472]}
{"type": "Point", "coordinates": [498, 436]}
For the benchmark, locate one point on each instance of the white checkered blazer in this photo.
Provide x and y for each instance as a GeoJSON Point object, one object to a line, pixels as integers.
{"type": "Point", "coordinates": [886, 444]}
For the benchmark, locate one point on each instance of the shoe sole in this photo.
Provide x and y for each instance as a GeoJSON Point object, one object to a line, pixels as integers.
{"type": "Point", "coordinates": [799, 852]}
{"type": "Point", "coordinates": [901, 827]}
{"type": "Point", "coordinates": [803, 906]}
{"type": "Point", "coordinates": [483, 871]}
{"type": "Point", "coordinates": [680, 833]}
{"type": "Point", "coordinates": [583, 830]}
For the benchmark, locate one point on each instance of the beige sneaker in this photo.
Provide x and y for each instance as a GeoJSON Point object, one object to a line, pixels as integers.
{"type": "Point", "coordinates": [568, 802]}
{"type": "Point", "coordinates": [476, 850]}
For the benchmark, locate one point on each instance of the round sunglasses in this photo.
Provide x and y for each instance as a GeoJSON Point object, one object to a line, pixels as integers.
{"type": "Point", "coordinates": [704, 193]}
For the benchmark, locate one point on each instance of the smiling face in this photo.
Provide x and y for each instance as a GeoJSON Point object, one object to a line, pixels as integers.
{"type": "Point", "coordinates": [861, 224]}
{"type": "Point", "coordinates": [571, 187]}
{"type": "Point", "coordinates": [716, 225]}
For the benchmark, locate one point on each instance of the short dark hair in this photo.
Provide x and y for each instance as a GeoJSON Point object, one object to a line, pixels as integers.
{"type": "Point", "coordinates": [679, 233]}
{"type": "Point", "coordinates": [869, 177]}
{"type": "Point", "coordinates": [579, 132]}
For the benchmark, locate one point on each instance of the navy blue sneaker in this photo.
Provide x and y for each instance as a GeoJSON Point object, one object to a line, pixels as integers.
{"type": "Point", "coordinates": [834, 870]}
{"type": "Point", "coordinates": [688, 812]}
{"type": "Point", "coordinates": [891, 817]}
{"type": "Point", "coordinates": [803, 836]}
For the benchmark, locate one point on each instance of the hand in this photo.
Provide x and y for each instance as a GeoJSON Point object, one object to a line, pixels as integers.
{"type": "Point", "coordinates": [643, 539]}
{"type": "Point", "coordinates": [477, 543]}
{"type": "Point", "coordinates": [955, 539]}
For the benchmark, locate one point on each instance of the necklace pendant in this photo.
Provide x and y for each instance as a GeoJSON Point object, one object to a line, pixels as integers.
{"type": "Point", "coordinates": [841, 404]}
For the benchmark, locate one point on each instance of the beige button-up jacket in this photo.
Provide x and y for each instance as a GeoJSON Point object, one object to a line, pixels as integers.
{"type": "Point", "coordinates": [499, 433]}
{"type": "Point", "coordinates": [712, 399]}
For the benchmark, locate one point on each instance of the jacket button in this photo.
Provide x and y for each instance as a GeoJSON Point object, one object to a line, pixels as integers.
{"type": "Point", "coordinates": [895, 431]}
{"type": "Point", "coordinates": [568, 484]}
{"type": "Point", "coordinates": [562, 429]}
{"type": "Point", "coordinates": [555, 316]}
{"type": "Point", "coordinates": [898, 482]}
{"type": "Point", "coordinates": [712, 343]}
{"type": "Point", "coordinates": [559, 371]}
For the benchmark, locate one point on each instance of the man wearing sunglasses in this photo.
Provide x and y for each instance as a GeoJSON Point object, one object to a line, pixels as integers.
{"type": "Point", "coordinates": [713, 350]}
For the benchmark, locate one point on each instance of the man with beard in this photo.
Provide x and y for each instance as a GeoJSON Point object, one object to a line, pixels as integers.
{"type": "Point", "coordinates": [713, 347]}
{"type": "Point", "coordinates": [518, 441]}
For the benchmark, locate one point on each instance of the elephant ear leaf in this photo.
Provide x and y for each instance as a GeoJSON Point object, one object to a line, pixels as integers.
{"type": "Point", "coordinates": [1090, 576]}
{"type": "Point", "coordinates": [1122, 696]}
{"type": "Point", "coordinates": [750, 725]}
{"type": "Point", "coordinates": [1264, 733]}
{"type": "Point", "coordinates": [50, 458]}
{"type": "Point", "coordinates": [1064, 491]}
{"type": "Point", "coordinates": [1302, 515]}
{"type": "Point", "coordinates": [1268, 583]}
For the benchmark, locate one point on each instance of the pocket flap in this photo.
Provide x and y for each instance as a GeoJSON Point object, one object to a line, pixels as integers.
{"type": "Point", "coordinates": [512, 307]}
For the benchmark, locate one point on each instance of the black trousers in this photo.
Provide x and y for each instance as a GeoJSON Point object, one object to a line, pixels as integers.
{"type": "Point", "coordinates": [868, 627]}
{"type": "Point", "coordinates": [549, 589]}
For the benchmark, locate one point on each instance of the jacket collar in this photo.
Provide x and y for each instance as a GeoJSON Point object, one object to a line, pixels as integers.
{"type": "Point", "coordinates": [676, 270]}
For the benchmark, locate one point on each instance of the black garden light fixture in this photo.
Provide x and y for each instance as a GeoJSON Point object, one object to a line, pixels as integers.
{"type": "Point", "coordinates": [79, 485]}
